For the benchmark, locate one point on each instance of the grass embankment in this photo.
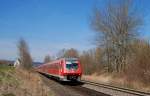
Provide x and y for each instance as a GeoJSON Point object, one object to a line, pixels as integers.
{"type": "Point", "coordinates": [120, 81]}
{"type": "Point", "coordinates": [21, 83]}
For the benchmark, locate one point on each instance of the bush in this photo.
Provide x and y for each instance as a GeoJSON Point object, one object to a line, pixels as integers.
{"type": "Point", "coordinates": [139, 67]}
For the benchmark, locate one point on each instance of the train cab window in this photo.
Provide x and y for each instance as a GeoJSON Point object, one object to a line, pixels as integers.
{"type": "Point", "coordinates": [68, 66]}
{"type": "Point", "coordinates": [75, 65]}
{"type": "Point", "coordinates": [71, 65]}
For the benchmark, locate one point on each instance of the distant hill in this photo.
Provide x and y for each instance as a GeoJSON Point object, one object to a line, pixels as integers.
{"type": "Point", "coordinates": [36, 64]}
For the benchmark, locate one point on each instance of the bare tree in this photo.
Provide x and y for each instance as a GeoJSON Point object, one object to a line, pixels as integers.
{"type": "Point", "coordinates": [47, 59]}
{"type": "Point", "coordinates": [61, 53]}
{"type": "Point", "coordinates": [91, 61]}
{"type": "Point", "coordinates": [71, 53]}
{"type": "Point", "coordinates": [87, 62]}
{"type": "Point", "coordinates": [24, 55]}
{"type": "Point", "coordinates": [140, 62]}
{"type": "Point", "coordinates": [116, 25]}
{"type": "Point", "coordinates": [68, 53]}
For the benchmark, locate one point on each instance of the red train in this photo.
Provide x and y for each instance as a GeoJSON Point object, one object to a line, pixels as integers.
{"type": "Point", "coordinates": [65, 69]}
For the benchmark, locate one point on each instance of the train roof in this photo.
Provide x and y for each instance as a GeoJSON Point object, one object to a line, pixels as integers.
{"type": "Point", "coordinates": [63, 59]}
{"type": "Point", "coordinates": [68, 58]}
{"type": "Point", "coordinates": [71, 58]}
{"type": "Point", "coordinates": [55, 61]}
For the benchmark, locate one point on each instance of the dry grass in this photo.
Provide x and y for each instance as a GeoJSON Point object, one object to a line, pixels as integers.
{"type": "Point", "coordinates": [100, 78]}
{"type": "Point", "coordinates": [33, 84]}
{"type": "Point", "coordinates": [117, 81]}
{"type": "Point", "coordinates": [24, 83]}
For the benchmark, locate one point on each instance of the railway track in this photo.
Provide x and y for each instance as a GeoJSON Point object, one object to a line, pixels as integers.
{"type": "Point", "coordinates": [124, 90]}
{"type": "Point", "coordinates": [68, 88]}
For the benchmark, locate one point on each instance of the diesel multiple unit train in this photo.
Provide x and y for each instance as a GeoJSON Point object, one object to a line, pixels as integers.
{"type": "Point", "coordinates": [64, 69]}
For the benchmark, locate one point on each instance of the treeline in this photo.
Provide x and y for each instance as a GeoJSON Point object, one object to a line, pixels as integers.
{"type": "Point", "coordinates": [95, 61]}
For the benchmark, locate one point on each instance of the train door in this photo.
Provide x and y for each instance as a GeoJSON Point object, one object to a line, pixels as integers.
{"type": "Point", "coordinates": [61, 67]}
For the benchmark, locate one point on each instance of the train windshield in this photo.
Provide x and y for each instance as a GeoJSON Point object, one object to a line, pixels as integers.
{"type": "Point", "coordinates": [71, 65]}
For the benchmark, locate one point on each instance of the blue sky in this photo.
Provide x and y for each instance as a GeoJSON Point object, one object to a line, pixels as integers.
{"type": "Point", "coordinates": [50, 25]}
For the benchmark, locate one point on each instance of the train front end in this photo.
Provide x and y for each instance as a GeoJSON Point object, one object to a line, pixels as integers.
{"type": "Point", "coordinates": [72, 69]}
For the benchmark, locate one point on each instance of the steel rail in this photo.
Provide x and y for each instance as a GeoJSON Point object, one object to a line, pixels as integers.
{"type": "Point", "coordinates": [125, 90]}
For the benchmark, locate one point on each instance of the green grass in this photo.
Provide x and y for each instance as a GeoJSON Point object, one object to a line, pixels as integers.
{"type": "Point", "coordinates": [6, 68]}
{"type": "Point", "coordinates": [7, 75]}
